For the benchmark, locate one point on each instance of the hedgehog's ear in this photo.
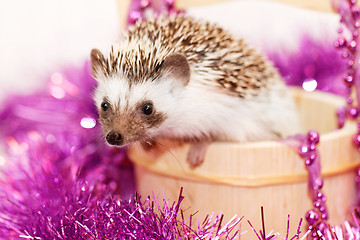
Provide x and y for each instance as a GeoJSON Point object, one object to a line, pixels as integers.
{"type": "Point", "coordinates": [97, 62]}
{"type": "Point", "coordinates": [177, 66]}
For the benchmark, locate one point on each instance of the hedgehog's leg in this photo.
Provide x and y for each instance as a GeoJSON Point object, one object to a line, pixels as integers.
{"type": "Point", "coordinates": [197, 153]}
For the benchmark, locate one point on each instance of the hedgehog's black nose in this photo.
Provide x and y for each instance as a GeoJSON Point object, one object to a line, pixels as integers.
{"type": "Point", "coordinates": [114, 138]}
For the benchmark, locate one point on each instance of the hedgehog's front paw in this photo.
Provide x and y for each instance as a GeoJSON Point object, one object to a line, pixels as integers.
{"type": "Point", "coordinates": [196, 154]}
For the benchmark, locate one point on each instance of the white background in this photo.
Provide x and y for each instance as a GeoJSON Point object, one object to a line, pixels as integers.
{"type": "Point", "coordinates": [38, 37]}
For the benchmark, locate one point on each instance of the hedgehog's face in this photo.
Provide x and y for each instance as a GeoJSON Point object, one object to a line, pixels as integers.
{"type": "Point", "coordinates": [128, 114]}
{"type": "Point", "coordinates": [125, 124]}
{"type": "Point", "coordinates": [130, 111]}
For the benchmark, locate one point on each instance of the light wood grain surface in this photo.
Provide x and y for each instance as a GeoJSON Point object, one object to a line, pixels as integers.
{"type": "Point", "coordinates": [123, 6]}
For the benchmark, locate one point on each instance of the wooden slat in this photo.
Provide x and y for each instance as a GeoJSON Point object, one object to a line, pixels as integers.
{"type": "Point", "coordinates": [318, 5]}
{"type": "Point", "coordinates": [123, 6]}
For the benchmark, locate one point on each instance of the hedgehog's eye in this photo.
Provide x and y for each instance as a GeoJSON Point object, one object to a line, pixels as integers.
{"type": "Point", "coordinates": [105, 105]}
{"type": "Point", "coordinates": [148, 108]}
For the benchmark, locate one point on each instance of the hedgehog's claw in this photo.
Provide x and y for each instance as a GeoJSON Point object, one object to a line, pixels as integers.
{"type": "Point", "coordinates": [148, 144]}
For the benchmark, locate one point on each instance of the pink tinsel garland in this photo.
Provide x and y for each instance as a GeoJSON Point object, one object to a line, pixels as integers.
{"type": "Point", "coordinates": [61, 181]}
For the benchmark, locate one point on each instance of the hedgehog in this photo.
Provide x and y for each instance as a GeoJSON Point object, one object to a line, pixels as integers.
{"type": "Point", "coordinates": [185, 79]}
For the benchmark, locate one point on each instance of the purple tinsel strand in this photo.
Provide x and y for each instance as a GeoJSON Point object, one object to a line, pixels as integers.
{"type": "Point", "coordinates": [141, 9]}
{"type": "Point", "coordinates": [52, 158]}
{"type": "Point", "coordinates": [62, 182]}
{"type": "Point", "coordinates": [350, 15]}
{"type": "Point", "coordinates": [53, 128]}
{"type": "Point", "coordinates": [305, 144]}
{"type": "Point", "coordinates": [313, 60]}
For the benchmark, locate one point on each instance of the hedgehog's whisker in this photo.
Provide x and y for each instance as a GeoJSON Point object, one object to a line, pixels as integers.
{"type": "Point", "coordinates": [100, 137]}
{"type": "Point", "coordinates": [166, 149]}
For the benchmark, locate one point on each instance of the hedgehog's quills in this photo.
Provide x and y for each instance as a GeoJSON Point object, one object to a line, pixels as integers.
{"type": "Point", "coordinates": [184, 79]}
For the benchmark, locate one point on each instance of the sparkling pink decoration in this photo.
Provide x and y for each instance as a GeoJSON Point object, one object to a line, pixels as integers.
{"type": "Point", "coordinates": [270, 236]}
{"type": "Point", "coordinates": [347, 43]}
{"type": "Point", "coordinates": [147, 8]}
{"type": "Point", "coordinates": [305, 145]}
{"type": "Point", "coordinates": [315, 66]}
{"type": "Point", "coordinates": [317, 217]}
{"type": "Point", "coordinates": [59, 179]}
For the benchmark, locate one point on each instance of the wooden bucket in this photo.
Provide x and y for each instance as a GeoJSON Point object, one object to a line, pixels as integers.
{"type": "Point", "coordinates": [240, 178]}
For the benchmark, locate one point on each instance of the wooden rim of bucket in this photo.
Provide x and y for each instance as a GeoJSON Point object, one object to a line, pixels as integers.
{"type": "Point", "coordinates": [246, 181]}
